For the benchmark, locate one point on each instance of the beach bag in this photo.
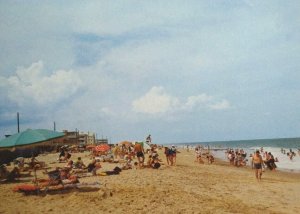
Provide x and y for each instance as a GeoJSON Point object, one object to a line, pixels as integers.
{"type": "Point", "coordinates": [117, 169]}
{"type": "Point", "coordinates": [156, 165]}
{"type": "Point", "coordinates": [111, 173]}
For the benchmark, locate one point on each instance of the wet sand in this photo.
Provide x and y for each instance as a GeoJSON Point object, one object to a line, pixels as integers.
{"type": "Point", "coordinates": [188, 187]}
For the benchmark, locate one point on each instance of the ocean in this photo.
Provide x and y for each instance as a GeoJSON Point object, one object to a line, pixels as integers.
{"type": "Point", "coordinates": [275, 146]}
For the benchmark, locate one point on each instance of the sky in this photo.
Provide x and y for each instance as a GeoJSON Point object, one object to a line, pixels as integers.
{"type": "Point", "coordinates": [182, 71]}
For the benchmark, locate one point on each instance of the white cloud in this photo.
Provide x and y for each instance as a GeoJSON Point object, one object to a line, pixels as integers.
{"type": "Point", "coordinates": [158, 101]}
{"type": "Point", "coordinates": [32, 86]}
{"type": "Point", "coordinates": [224, 104]}
{"type": "Point", "coordinates": [155, 101]}
{"type": "Point", "coordinates": [201, 99]}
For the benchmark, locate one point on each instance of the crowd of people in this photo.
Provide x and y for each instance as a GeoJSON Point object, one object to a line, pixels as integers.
{"type": "Point", "coordinates": [237, 157]}
{"type": "Point", "coordinates": [260, 160]}
{"type": "Point", "coordinates": [201, 153]}
{"type": "Point", "coordinates": [129, 154]}
{"type": "Point", "coordinates": [144, 155]}
{"type": "Point", "coordinates": [21, 165]}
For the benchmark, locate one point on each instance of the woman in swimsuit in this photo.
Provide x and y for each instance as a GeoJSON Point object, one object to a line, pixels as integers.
{"type": "Point", "coordinates": [257, 162]}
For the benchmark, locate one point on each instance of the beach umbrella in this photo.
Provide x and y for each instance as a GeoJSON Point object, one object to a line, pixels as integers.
{"type": "Point", "coordinates": [29, 137]}
{"type": "Point", "coordinates": [102, 148]}
{"type": "Point", "coordinates": [125, 142]}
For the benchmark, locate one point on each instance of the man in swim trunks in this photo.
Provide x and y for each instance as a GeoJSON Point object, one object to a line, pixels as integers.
{"type": "Point", "coordinates": [139, 151]}
{"type": "Point", "coordinates": [257, 164]}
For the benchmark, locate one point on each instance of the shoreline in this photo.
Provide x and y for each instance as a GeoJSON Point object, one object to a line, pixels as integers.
{"type": "Point", "coordinates": [286, 172]}
{"type": "Point", "coordinates": [283, 170]}
{"type": "Point", "coordinates": [284, 164]}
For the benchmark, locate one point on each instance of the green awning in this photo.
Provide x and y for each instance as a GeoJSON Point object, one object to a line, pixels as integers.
{"type": "Point", "coordinates": [29, 137]}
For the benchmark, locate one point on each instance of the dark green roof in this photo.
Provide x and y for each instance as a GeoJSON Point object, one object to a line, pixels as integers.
{"type": "Point", "coordinates": [30, 136]}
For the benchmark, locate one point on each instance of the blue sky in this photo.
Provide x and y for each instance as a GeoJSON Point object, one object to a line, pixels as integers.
{"type": "Point", "coordinates": [182, 71]}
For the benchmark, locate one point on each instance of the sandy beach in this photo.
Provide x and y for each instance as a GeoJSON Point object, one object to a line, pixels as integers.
{"type": "Point", "coordinates": [188, 187]}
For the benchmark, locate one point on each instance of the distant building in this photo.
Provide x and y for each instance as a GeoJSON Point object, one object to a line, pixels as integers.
{"type": "Point", "coordinates": [76, 138]}
{"type": "Point", "coordinates": [71, 137]}
{"type": "Point", "coordinates": [90, 138]}
{"type": "Point", "coordinates": [102, 141]}
{"type": "Point", "coordinates": [82, 138]}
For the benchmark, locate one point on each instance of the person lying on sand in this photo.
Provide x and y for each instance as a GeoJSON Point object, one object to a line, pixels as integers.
{"type": "Point", "coordinates": [56, 177]}
{"type": "Point", "coordinates": [69, 164]}
{"type": "Point", "coordinates": [34, 163]}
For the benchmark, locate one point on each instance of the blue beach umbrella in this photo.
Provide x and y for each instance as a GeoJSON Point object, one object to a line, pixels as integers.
{"type": "Point", "coordinates": [29, 137]}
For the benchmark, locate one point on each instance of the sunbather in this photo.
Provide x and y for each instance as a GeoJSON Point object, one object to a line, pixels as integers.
{"type": "Point", "coordinates": [34, 163]}
{"type": "Point", "coordinates": [93, 166]}
{"type": "Point", "coordinates": [58, 176]}
{"type": "Point", "coordinates": [79, 164]}
{"type": "Point", "coordinates": [69, 164]}
{"type": "Point", "coordinates": [7, 175]}
{"type": "Point", "coordinates": [20, 161]}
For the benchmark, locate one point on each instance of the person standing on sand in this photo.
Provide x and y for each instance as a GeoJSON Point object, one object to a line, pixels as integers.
{"type": "Point", "coordinates": [172, 155]}
{"type": "Point", "coordinates": [257, 162]}
{"type": "Point", "coordinates": [139, 151]}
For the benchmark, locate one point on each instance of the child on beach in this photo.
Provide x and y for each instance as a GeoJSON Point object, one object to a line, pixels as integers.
{"type": "Point", "coordinates": [210, 158]}
{"type": "Point", "coordinates": [198, 155]}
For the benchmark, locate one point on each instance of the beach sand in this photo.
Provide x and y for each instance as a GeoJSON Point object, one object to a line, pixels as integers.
{"type": "Point", "coordinates": [188, 187]}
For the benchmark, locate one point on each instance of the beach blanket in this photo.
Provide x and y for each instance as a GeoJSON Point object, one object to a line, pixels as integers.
{"type": "Point", "coordinates": [26, 188]}
{"type": "Point", "coordinates": [29, 189]}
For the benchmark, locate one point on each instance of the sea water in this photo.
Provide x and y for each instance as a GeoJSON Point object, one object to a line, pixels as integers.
{"type": "Point", "coordinates": [275, 146]}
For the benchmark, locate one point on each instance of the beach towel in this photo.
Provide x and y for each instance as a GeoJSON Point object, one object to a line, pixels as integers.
{"type": "Point", "coordinates": [26, 188]}
{"type": "Point", "coordinates": [102, 174]}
